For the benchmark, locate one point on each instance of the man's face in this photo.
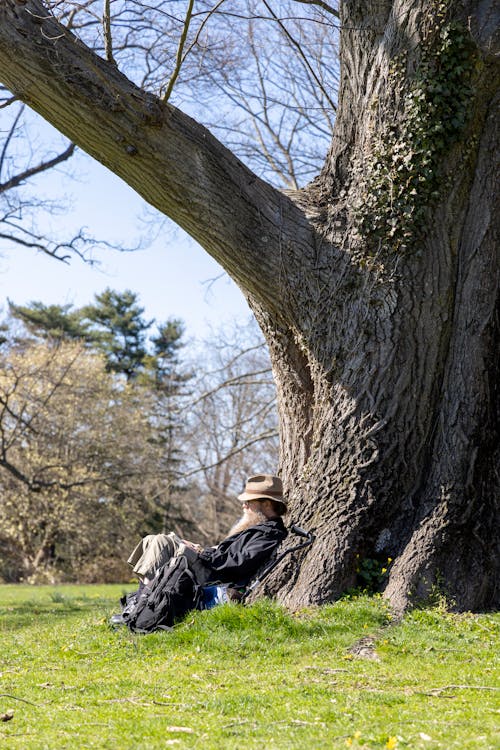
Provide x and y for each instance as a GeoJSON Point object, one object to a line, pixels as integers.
{"type": "Point", "coordinates": [255, 509]}
{"type": "Point", "coordinates": [254, 512]}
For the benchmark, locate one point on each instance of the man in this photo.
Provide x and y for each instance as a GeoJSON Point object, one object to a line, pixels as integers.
{"type": "Point", "coordinates": [236, 560]}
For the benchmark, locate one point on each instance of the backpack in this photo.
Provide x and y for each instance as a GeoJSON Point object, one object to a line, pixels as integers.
{"type": "Point", "coordinates": [173, 592]}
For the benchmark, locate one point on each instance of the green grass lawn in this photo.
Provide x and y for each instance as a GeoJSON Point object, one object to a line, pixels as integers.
{"type": "Point", "coordinates": [244, 677]}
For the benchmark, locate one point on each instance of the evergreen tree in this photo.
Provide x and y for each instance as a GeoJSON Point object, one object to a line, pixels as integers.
{"type": "Point", "coordinates": [161, 365]}
{"type": "Point", "coordinates": [55, 322]}
{"type": "Point", "coordinates": [162, 373]}
{"type": "Point", "coordinates": [119, 330]}
{"type": "Point", "coordinates": [114, 325]}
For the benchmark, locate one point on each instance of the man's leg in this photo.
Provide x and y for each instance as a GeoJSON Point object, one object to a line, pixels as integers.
{"type": "Point", "coordinates": [152, 552]}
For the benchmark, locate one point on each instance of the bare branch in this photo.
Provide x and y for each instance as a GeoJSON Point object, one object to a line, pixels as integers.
{"type": "Point", "coordinates": [179, 57]}
{"type": "Point", "coordinates": [238, 450]}
{"type": "Point", "coordinates": [9, 98]}
{"type": "Point", "coordinates": [9, 138]}
{"type": "Point", "coordinates": [243, 379]}
{"type": "Point", "coordinates": [108, 40]}
{"type": "Point", "coordinates": [50, 248]}
{"type": "Point", "coordinates": [43, 167]}
{"type": "Point", "coordinates": [302, 55]}
{"type": "Point", "coordinates": [324, 6]}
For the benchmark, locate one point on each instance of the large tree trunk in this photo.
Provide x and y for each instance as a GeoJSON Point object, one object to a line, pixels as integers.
{"type": "Point", "coordinates": [389, 396]}
{"type": "Point", "coordinates": [376, 286]}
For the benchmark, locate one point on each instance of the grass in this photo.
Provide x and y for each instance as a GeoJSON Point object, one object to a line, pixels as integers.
{"type": "Point", "coordinates": [244, 677]}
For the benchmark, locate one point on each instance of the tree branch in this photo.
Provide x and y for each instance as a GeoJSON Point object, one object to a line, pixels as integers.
{"type": "Point", "coordinates": [297, 46]}
{"type": "Point", "coordinates": [234, 452]}
{"type": "Point", "coordinates": [42, 167]}
{"type": "Point", "coordinates": [108, 39]}
{"type": "Point", "coordinates": [9, 138]}
{"type": "Point", "coordinates": [179, 57]}
{"type": "Point", "coordinates": [324, 6]}
{"type": "Point", "coordinates": [48, 247]}
{"type": "Point", "coordinates": [168, 158]}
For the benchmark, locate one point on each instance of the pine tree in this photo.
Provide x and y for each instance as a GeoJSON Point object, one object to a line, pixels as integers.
{"type": "Point", "coordinates": [119, 330]}
{"type": "Point", "coordinates": [54, 322]}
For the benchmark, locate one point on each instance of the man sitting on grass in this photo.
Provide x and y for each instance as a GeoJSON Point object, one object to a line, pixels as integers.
{"type": "Point", "coordinates": [173, 570]}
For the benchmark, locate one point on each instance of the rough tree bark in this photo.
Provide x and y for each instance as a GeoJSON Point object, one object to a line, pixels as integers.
{"type": "Point", "coordinates": [376, 286]}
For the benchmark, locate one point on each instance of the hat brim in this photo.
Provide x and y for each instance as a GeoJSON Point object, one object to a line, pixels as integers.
{"type": "Point", "coordinates": [246, 496]}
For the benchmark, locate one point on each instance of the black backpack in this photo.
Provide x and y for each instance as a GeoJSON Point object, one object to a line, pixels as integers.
{"type": "Point", "coordinates": [173, 592]}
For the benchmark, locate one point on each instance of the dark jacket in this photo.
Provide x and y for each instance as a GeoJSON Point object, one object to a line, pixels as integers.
{"type": "Point", "coordinates": [239, 557]}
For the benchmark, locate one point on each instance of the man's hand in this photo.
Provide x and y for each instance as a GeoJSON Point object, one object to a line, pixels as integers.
{"type": "Point", "coordinates": [192, 545]}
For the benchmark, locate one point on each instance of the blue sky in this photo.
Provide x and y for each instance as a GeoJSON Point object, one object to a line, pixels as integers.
{"type": "Point", "coordinates": [171, 275]}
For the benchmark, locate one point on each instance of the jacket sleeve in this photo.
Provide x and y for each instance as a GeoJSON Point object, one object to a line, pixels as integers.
{"type": "Point", "coordinates": [238, 558]}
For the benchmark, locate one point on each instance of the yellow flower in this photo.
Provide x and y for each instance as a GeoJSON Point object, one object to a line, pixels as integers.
{"type": "Point", "coordinates": [348, 742]}
{"type": "Point", "coordinates": [391, 743]}
{"type": "Point", "coordinates": [357, 735]}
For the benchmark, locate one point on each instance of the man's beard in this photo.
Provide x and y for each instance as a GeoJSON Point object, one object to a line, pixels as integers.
{"type": "Point", "coordinates": [249, 518]}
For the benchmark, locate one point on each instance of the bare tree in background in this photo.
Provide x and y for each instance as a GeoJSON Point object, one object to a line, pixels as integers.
{"type": "Point", "coordinates": [20, 205]}
{"type": "Point", "coordinates": [257, 78]}
{"type": "Point", "coordinates": [231, 428]}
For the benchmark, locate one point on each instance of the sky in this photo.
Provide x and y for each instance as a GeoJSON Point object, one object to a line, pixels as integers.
{"type": "Point", "coordinates": [172, 275]}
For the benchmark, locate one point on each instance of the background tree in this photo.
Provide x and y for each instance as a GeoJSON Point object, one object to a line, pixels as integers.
{"type": "Point", "coordinates": [119, 327]}
{"type": "Point", "coordinates": [230, 428]}
{"type": "Point", "coordinates": [51, 322]}
{"type": "Point", "coordinates": [114, 328]}
{"type": "Point", "coordinates": [79, 468]}
{"type": "Point", "coordinates": [375, 285]}
{"type": "Point", "coordinates": [114, 325]}
{"type": "Point", "coordinates": [25, 158]}
{"type": "Point", "coordinates": [170, 382]}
